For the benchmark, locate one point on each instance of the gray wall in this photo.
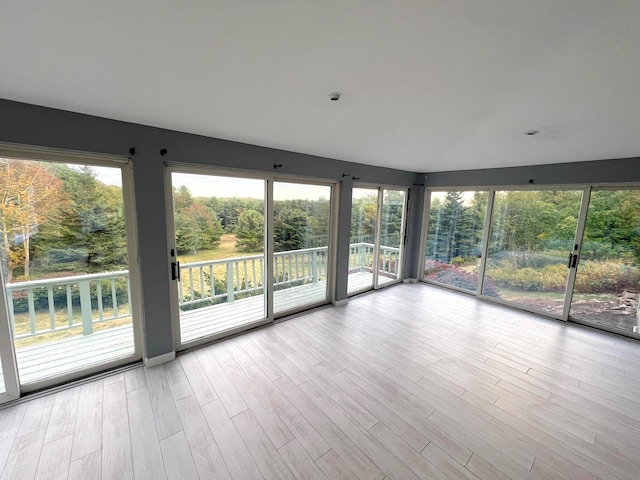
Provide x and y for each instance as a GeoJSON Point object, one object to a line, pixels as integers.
{"type": "Point", "coordinates": [593, 172]}
{"type": "Point", "coordinates": [46, 127]}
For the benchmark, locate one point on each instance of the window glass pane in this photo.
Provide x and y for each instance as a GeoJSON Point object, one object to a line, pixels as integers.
{"type": "Point", "coordinates": [454, 238]}
{"type": "Point", "coordinates": [608, 279]}
{"type": "Point", "coordinates": [301, 244]}
{"type": "Point", "coordinates": [64, 260]}
{"type": "Point", "coordinates": [219, 231]}
{"type": "Point", "coordinates": [391, 235]}
{"type": "Point", "coordinates": [532, 235]}
{"type": "Point", "coordinates": [364, 214]}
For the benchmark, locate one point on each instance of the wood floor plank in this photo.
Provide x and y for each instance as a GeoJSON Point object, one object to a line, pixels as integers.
{"type": "Point", "coordinates": [177, 457]}
{"type": "Point", "coordinates": [145, 445]}
{"type": "Point", "coordinates": [225, 390]}
{"type": "Point", "coordinates": [387, 462]}
{"type": "Point", "coordinates": [36, 416]}
{"type": "Point", "coordinates": [117, 461]}
{"type": "Point", "coordinates": [308, 437]}
{"type": "Point", "coordinates": [87, 437]}
{"type": "Point", "coordinates": [334, 468]}
{"type": "Point", "coordinates": [200, 385]}
{"type": "Point", "coordinates": [408, 430]}
{"type": "Point", "coordinates": [355, 409]}
{"type": "Point", "coordinates": [274, 427]}
{"type": "Point", "coordinates": [164, 408]}
{"type": "Point", "coordinates": [283, 363]}
{"type": "Point", "coordinates": [206, 454]}
{"type": "Point", "coordinates": [63, 414]}
{"type": "Point", "coordinates": [87, 468]}
{"type": "Point", "coordinates": [22, 461]}
{"type": "Point", "coordinates": [484, 470]}
{"type": "Point", "coordinates": [576, 458]}
{"type": "Point", "coordinates": [300, 462]}
{"type": "Point", "coordinates": [402, 450]}
{"type": "Point", "coordinates": [232, 447]}
{"type": "Point", "coordinates": [362, 465]}
{"type": "Point", "coordinates": [271, 464]}
{"type": "Point", "coordinates": [446, 464]}
{"type": "Point", "coordinates": [135, 379]}
{"type": "Point", "coordinates": [11, 420]}
{"type": "Point", "coordinates": [545, 472]}
{"type": "Point", "coordinates": [55, 459]}
{"type": "Point", "coordinates": [178, 382]}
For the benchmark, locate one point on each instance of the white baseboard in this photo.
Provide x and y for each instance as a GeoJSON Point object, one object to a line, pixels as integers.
{"type": "Point", "coordinates": [340, 303]}
{"type": "Point", "coordinates": [409, 280]}
{"type": "Point", "coordinates": [159, 360]}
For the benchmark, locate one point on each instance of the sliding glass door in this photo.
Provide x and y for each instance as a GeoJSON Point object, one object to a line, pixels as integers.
{"type": "Point", "coordinates": [64, 249]}
{"type": "Point", "coordinates": [301, 237]}
{"type": "Point", "coordinates": [569, 254]}
{"type": "Point", "coordinates": [227, 276]}
{"type": "Point", "coordinates": [607, 284]}
{"type": "Point", "coordinates": [454, 246]}
{"type": "Point", "coordinates": [364, 222]}
{"type": "Point", "coordinates": [377, 238]}
{"type": "Point", "coordinates": [219, 257]}
{"type": "Point", "coordinates": [391, 235]}
{"type": "Point", "coordinates": [530, 252]}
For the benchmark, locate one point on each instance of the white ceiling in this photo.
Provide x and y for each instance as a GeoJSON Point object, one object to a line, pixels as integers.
{"type": "Point", "coordinates": [428, 85]}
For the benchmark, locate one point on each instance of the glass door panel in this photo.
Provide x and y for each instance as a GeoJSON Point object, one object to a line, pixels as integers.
{"type": "Point", "coordinates": [391, 232]}
{"type": "Point", "coordinates": [454, 238]}
{"type": "Point", "coordinates": [301, 214]}
{"type": "Point", "coordinates": [65, 265]}
{"type": "Point", "coordinates": [364, 218]}
{"type": "Point", "coordinates": [219, 225]}
{"type": "Point", "coordinates": [532, 235]}
{"type": "Point", "coordinates": [608, 278]}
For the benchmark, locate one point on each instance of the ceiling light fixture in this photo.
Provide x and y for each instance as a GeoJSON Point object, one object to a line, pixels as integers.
{"type": "Point", "coordinates": [335, 96]}
{"type": "Point", "coordinates": [532, 132]}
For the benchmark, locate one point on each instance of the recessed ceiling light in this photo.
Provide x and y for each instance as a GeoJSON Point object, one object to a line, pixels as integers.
{"type": "Point", "coordinates": [335, 96]}
{"type": "Point", "coordinates": [532, 132]}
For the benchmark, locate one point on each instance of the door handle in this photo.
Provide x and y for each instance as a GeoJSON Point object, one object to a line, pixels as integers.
{"type": "Point", "coordinates": [175, 271]}
{"type": "Point", "coordinates": [569, 262]}
{"type": "Point", "coordinates": [574, 261]}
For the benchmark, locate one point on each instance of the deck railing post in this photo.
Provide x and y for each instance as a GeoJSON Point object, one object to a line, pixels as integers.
{"type": "Point", "coordinates": [361, 252]}
{"type": "Point", "coordinates": [85, 307]}
{"type": "Point", "coordinates": [230, 287]}
{"type": "Point", "coordinates": [314, 266]}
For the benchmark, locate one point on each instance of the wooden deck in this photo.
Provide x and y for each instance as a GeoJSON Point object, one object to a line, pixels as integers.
{"type": "Point", "coordinates": [356, 282]}
{"type": "Point", "coordinates": [49, 360]}
{"type": "Point", "coordinates": [217, 319]}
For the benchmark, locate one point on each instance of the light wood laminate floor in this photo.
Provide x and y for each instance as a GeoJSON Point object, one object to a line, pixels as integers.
{"type": "Point", "coordinates": [409, 382]}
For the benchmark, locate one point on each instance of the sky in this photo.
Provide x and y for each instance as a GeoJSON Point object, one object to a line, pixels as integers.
{"type": "Point", "coordinates": [107, 175]}
{"type": "Point", "coordinates": [225, 187]}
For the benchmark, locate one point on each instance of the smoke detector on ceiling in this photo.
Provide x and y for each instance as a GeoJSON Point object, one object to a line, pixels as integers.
{"type": "Point", "coordinates": [335, 96]}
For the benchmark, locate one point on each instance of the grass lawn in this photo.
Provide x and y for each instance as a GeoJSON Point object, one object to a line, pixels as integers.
{"type": "Point", "coordinates": [42, 321]}
{"type": "Point", "coordinates": [226, 249]}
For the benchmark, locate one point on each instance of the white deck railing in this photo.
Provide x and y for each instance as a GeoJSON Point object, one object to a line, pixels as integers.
{"type": "Point", "coordinates": [242, 276]}
{"type": "Point", "coordinates": [51, 305]}
{"type": "Point", "coordinates": [361, 259]}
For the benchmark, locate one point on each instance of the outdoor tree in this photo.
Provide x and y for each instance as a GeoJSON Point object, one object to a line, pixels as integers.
{"type": "Point", "coordinates": [363, 219]}
{"type": "Point", "coordinates": [291, 229]}
{"type": "Point", "coordinates": [196, 225]}
{"type": "Point", "coordinates": [30, 195]}
{"type": "Point", "coordinates": [90, 235]}
{"type": "Point", "coordinates": [249, 230]}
